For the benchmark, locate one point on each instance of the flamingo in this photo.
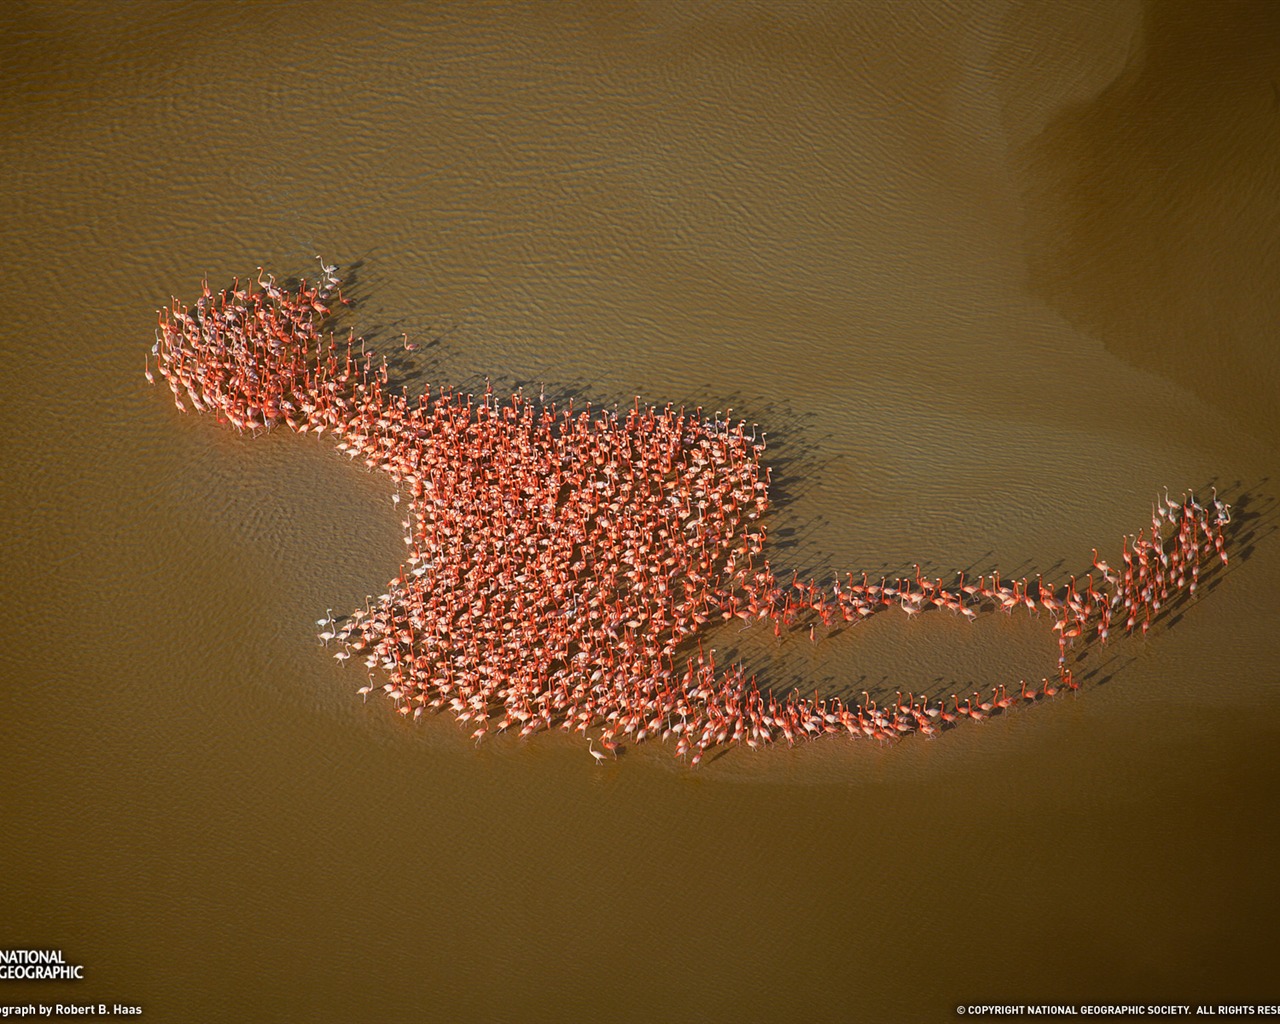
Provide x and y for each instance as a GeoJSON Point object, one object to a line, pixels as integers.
{"type": "Point", "coordinates": [593, 543]}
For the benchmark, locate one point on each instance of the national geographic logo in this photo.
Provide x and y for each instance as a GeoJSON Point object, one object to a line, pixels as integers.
{"type": "Point", "coordinates": [37, 965]}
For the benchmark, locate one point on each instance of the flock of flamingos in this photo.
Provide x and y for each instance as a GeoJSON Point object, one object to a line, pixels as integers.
{"type": "Point", "coordinates": [562, 562]}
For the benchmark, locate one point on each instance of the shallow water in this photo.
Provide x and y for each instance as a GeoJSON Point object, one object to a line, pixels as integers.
{"type": "Point", "coordinates": [975, 270]}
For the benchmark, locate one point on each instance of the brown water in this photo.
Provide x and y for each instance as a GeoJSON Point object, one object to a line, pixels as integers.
{"type": "Point", "coordinates": [990, 274]}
